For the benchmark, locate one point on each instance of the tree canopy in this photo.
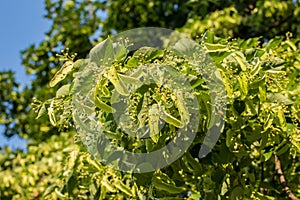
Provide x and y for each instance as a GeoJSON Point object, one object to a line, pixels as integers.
{"type": "Point", "coordinates": [255, 46]}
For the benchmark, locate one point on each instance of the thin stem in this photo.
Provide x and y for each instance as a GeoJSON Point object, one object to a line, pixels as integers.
{"type": "Point", "coordinates": [262, 190]}
{"type": "Point", "coordinates": [282, 180]}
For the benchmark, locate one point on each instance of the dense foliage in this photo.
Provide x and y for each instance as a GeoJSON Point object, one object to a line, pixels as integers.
{"type": "Point", "coordinates": [259, 64]}
{"type": "Point", "coordinates": [250, 18]}
{"type": "Point", "coordinates": [75, 25]}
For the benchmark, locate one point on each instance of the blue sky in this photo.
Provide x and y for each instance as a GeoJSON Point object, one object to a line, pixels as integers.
{"type": "Point", "coordinates": [21, 24]}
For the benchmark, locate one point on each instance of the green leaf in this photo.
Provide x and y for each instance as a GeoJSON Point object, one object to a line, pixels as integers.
{"type": "Point", "coordinates": [212, 48]}
{"type": "Point", "coordinates": [252, 106]}
{"type": "Point", "coordinates": [78, 64]}
{"type": "Point", "coordinates": [51, 114]}
{"type": "Point", "coordinates": [129, 80]}
{"type": "Point", "coordinates": [263, 196]}
{"type": "Point", "coordinates": [103, 54]}
{"type": "Point", "coordinates": [282, 121]}
{"type": "Point", "coordinates": [103, 106]}
{"type": "Point", "coordinates": [268, 122]}
{"type": "Point", "coordinates": [119, 85]}
{"type": "Point", "coordinates": [262, 93]}
{"type": "Point", "coordinates": [62, 73]}
{"type": "Point", "coordinates": [243, 82]}
{"type": "Point", "coordinates": [186, 48]}
{"type": "Point", "coordinates": [268, 155]}
{"type": "Point", "coordinates": [291, 44]}
{"type": "Point", "coordinates": [282, 148]}
{"type": "Point", "coordinates": [237, 193]}
{"type": "Point", "coordinates": [227, 84]}
{"type": "Point", "coordinates": [144, 55]}
{"type": "Point", "coordinates": [192, 162]}
{"type": "Point", "coordinates": [253, 132]}
{"type": "Point", "coordinates": [274, 42]}
{"type": "Point", "coordinates": [229, 138]}
{"type": "Point", "coordinates": [124, 188]}
{"type": "Point", "coordinates": [153, 121]}
{"type": "Point", "coordinates": [296, 144]}
{"type": "Point", "coordinates": [102, 192]}
{"type": "Point", "coordinates": [63, 91]}
{"type": "Point", "coordinates": [132, 62]}
{"type": "Point", "coordinates": [279, 98]}
{"type": "Point", "coordinates": [49, 190]}
{"type": "Point", "coordinates": [256, 68]}
{"type": "Point", "coordinates": [42, 111]}
{"type": "Point", "coordinates": [107, 185]}
{"type": "Point", "coordinates": [162, 181]}
{"type": "Point", "coordinates": [171, 120]}
{"type": "Point", "coordinates": [258, 82]}
{"type": "Point", "coordinates": [197, 83]}
{"type": "Point", "coordinates": [276, 70]}
{"type": "Point", "coordinates": [59, 194]}
{"type": "Point", "coordinates": [149, 145]}
{"type": "Point", "coordinates": [240, 58]}
{"type": "Point", "coordinates": [148, 53]}
{"type": "Point", "coordinates": [120, 51]}
{"type": "Point", "coordinates": [209, 36]}
{"type": "Point", "coordinates": [182, 109]}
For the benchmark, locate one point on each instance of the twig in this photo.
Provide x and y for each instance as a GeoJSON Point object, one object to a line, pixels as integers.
{"type": "Point", "coordinates": [262, 190]}
{"type": "Point", "coordinates": [279, 173]}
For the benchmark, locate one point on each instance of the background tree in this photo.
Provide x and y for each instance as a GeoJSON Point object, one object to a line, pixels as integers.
{"type": "Point", "coordinates": [250, 18]}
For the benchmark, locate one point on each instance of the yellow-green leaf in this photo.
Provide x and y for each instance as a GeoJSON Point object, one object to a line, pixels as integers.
{"type": "Point", "coordinates": [62, 73]}
{"type": "Point", "coordinates": [243, 85]}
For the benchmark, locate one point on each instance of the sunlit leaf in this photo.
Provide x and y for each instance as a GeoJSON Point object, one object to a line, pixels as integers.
{"type": "Point", "coordinates": [62, 73]}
